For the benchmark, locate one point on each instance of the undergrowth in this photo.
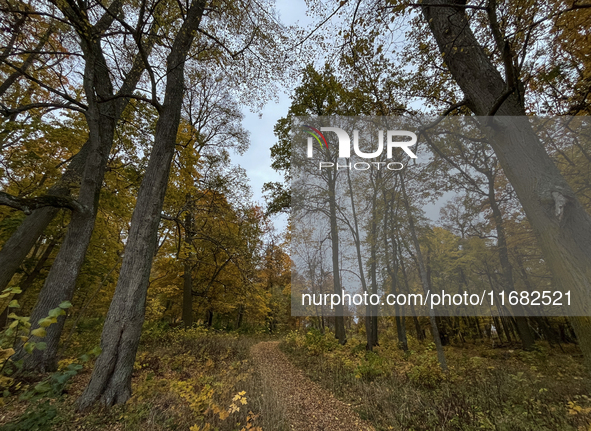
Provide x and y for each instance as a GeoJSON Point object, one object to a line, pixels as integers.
{"type": "Point", "coordinates": [194, 379]}
{"type": "Point", "coordinates": [485, 389]}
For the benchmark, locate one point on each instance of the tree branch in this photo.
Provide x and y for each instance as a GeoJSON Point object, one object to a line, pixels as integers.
{"type": "Point", "coordinates": [459, 6]}
{"type": "Point", "coordinates": [28, 205]}
{"type": "Point", "coordinates": [500, 101]}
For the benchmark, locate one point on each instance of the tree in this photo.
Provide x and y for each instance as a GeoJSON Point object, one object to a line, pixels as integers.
{"type": "Point", "coordinates": [111, 380]}
{"type": "Point", "coordinates": [101, 114]}
{"type": "Point", "coordinates": [561, 224]}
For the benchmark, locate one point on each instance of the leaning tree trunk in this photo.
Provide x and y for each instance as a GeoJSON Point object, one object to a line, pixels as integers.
{"type": "Point", "coordinates": [561, 224]}
{"type": "Point", "coordinates": [111, 378]}
{"type": "Point", "coordinates": [61, 280]}
{"type": "Point", "coordinates": [19, 244]}
{"type": "Point", "coordinates": [15, 250]}
{"type": "Point", "coordinates": [27, 281]}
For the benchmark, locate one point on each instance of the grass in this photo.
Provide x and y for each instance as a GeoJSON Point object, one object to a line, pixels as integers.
{"type": "Point", "coordinates": [486, 388]}
{"type": "Point", "coordinates": [183, 380]}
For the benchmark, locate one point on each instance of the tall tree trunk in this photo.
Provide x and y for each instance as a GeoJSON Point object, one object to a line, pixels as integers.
{"type": "Point", "coordinates": [423, 275]}
{"type": "Point", "coordinates": [561, 224]}
{"type": "Point", "coordinates": [392, 270]}
{"type": "Point", "coordinates": [240, 316]}
{"type": "Point", "coordinates": [357, 240]}
{"type": "Point", "coordinates": [339, 320]}
{"type": "Point", "coordinates": [102, 115]}
{"type": "Point", "coordinates": [373, 265]}
{"type": "Point", "coordinates": [111, 378]}
{"type": "Point", "coordinates": [187, 276]}
{"type": "Point", "coordinates": [418, 329]}
{"type": "Point", "coordinates": [523, 329]}
{"type": "Point", "coordinates": [61, 280]}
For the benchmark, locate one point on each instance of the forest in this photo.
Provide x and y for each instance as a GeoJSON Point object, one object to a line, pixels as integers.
{"type": "Point", "coordinates": [144, 286]}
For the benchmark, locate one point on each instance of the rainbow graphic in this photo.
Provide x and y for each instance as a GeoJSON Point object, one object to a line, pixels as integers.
{"type": "Point", "coordinates": [316, 135]}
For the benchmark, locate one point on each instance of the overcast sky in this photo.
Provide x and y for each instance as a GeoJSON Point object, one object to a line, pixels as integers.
{"type": "Point", "coordinates": [257, 160]}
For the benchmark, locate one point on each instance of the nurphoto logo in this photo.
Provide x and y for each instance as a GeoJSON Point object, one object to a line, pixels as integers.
{"type": "Point", "coordinates": [345, 148]}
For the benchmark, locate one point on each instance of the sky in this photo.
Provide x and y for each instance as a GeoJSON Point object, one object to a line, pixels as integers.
{"type": "Point", "coordinates": [257, 160]}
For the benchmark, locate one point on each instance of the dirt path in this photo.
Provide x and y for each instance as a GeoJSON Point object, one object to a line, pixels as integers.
{"type": "Point", "coordinates": [307, 405]}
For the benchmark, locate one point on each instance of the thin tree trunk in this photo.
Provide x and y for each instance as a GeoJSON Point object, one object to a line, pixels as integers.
{"type": "Point", "coordinates": [339, 320]}
{"type": "Point", "coordinates": [418, 329]}
{"type": "Point", "coordinates": [356, 238]}
{"type": "Point", "coordinates": [424, 281]}
{"type": "Point", "coordinates": [393, 272]}
{"type": "Point", "coordinates": [187, 276]}
{"type": "Point", "coordinates": [373, 266]}
{"type": "Point", "coordinates": [523, 330]}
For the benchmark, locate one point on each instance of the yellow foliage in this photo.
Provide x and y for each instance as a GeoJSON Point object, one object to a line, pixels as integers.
{"type": "Point", "coordinates": [575, 409]}
{"type": "Point", "coordinates": [39, 332]}
{"type": "Point", "coordinates": [198, 401]}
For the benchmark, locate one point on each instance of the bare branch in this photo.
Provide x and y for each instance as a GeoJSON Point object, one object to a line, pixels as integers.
{"type": "Point", "coordinates": [500, 101]}
{"type": "Point", "coordinates": [47, 87]}
{"type": "Point", "coordinates": [9, 112]}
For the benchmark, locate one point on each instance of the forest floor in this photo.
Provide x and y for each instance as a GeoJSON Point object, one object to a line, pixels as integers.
{"type": "Point", "coordinates": [307, 405]}
{"type": "Point", "coordinates": [500, 387]}
{"type": "Point", "coordinates": [209, 380]}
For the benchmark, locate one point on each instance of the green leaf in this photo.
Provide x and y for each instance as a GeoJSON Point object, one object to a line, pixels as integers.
{"type": "Point", "coordinates": [39, 332]}
{"type": "Point", "coordinates": [56, 312]}
{"type": "Point", "coordinates": [65, 304]}
{"type": "Point", "coordinates": [43, 387]}
{"type": "Point", "coordinates": [44, 323]}
{"type": "Point", "coordinates": [41, 346]}
{"type": "Point", "coordinates": [29, 347]}
{"type": "Point", "coordinates": [14, 304]}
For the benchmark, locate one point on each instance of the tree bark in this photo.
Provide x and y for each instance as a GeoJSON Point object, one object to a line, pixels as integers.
{"type": "Point", "coordinates": [61, 280]}
{"type": "Point", "coordinates": [111, 378]}
{"type": "Point", "coordinates": [561, 224]}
